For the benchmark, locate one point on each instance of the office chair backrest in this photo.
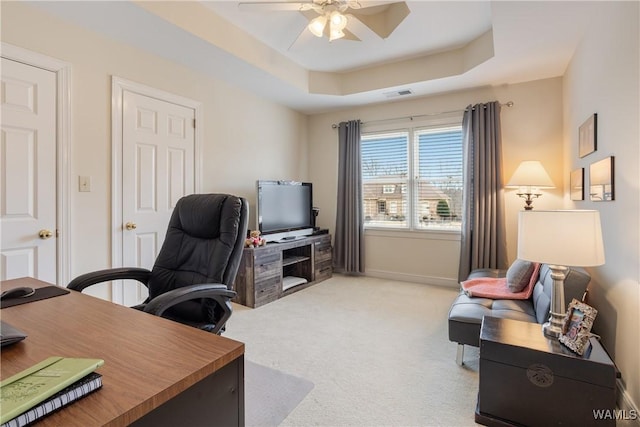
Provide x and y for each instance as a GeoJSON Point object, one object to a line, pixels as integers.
{"type": "Point", "coordinates": [203, 243]}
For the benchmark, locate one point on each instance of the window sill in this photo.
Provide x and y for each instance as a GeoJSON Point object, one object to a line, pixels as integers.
{"type": "Point", "coordinates": [413, 234]}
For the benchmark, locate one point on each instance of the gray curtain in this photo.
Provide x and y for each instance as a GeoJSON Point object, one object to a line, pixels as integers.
{"type": "Point", "coordinates": [348, 256]}
{"type": "Point", "coordinates": [483, 242]}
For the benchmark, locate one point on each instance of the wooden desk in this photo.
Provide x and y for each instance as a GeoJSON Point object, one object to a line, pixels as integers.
{"type": "Point", "coordinates": [156, 372]}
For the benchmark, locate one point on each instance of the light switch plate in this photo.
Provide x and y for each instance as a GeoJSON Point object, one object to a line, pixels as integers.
{"type": "Point", "coordinates": [84, 183]}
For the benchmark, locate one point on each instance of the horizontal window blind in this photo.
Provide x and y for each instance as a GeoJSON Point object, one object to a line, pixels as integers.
{"type": "Point", "coordinates": [412, 179]}
{"type": "Point", "coordinates": [385, 169]}
{"type": "Point", "coordinates": [439, 183]}
{"type": "Point", "coordinates": [440, 156]}
{"type": "Point", "coordinates": [384, 156]}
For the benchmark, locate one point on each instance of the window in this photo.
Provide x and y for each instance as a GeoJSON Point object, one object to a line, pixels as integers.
{"type": "Point", "coordinates": [385, 165]}
{"type": "Point", "coordinates": [417, 174]}
{"type": "Point", "coordinates": [388, 189]}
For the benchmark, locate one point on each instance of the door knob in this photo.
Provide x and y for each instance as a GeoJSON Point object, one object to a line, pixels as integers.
{"type": "Point", "coordinates": [130, 226]}
{"type": "Point", "coordinates": [45, 234]}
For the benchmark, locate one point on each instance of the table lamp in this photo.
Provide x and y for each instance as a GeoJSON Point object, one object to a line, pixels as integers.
{"type": "Point", "coordinates": [529, 177]}
{"type": "Point", "coordinates": [560, 238]}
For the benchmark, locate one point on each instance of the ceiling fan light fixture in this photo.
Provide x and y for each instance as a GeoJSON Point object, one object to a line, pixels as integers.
{"type": "Point", "coordinates": [338, 20]}
{"type": "Point", "coordinates": [335, 34]}
{"type": "Point", "coordinates": [316, 26]}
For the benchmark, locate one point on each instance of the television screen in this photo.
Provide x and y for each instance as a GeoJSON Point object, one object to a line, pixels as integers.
{"type": "Point", "coordinates": [284, 206]}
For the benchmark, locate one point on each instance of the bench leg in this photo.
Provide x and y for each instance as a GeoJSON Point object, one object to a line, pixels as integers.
{"type": "Point", "coordinates": [460, 355]}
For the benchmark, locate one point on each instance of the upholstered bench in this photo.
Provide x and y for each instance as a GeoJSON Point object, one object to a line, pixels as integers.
{"type": "Point", "coordinates": [466, 313]}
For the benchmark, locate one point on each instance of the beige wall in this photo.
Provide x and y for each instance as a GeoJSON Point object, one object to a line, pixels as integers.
{"type": "Point", "coordinates": [241, 130]}
{"type": "Point", "coordinates": [603, 78]}
{"type": "Point", "coordinates": [531, 130]}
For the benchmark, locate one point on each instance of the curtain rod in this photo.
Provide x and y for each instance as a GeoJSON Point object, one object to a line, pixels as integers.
{"type": "Point", "coordinates": [507, 104]}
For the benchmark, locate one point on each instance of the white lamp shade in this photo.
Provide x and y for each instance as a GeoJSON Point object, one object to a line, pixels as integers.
{"type": "Point", "coordinates": [562, 237]}
{"type": "Point", "coordinates": [530, 173]}
{"type": "Point", "coordinates": [316, 26]}
{"type": "Point", "coordinates": [338, 21]}
{"type": "Point", "coordinates": [335, 34]}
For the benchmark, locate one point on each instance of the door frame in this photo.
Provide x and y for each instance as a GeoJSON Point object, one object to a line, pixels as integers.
{"type": "Point", "coordinates": [118, 87]}
{"type": "Point", "coordinates": [62, 71]}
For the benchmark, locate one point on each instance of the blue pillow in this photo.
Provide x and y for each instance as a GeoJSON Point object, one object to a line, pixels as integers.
{"type": "Point", "coordinates": [519, 274]}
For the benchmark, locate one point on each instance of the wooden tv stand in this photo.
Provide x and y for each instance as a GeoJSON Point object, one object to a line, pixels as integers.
{"type": "Point", "coordinates": [266, 271]}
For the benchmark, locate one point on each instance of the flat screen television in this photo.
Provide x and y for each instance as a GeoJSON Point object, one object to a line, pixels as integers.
{"type": "Point", "coordinates": [284, 209]}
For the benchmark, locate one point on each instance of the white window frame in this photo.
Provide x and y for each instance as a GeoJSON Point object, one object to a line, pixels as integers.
{"type": "Point", "coordinates": [443, 121]}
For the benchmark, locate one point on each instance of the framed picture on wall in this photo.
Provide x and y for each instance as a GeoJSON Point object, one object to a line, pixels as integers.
{"type": "Point", "coordinates": [576, 184]}
{"type": "Point", "coordinates": [601, 185]}
{"type": "Point", "coordinates": [587, 136]}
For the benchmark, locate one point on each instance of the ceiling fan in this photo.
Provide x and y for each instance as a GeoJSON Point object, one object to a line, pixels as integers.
{"type": "Point", "coordinates": [330, 18]}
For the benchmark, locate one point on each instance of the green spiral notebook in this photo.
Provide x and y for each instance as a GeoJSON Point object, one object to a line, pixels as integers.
{"type": "Point", "coordinates": [26, 389]}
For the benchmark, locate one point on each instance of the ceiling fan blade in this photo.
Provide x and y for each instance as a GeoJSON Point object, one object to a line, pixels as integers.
{"type": "Point", "coordinates": [276, 5]}
{"type": "Point", "coordinates": [368, 4]}
{"type": "Point", "coordinates": [309, 14]}
{"type": "Point", "coordinates": [383, 19]}
{"type": "Point", "coordinates": [348, 35]}
{"type": "Point", "coordinates": [300, 37]}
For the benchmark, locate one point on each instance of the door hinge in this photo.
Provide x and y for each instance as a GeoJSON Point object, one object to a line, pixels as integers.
{"type": "Point", "coordinates": [194, 123]}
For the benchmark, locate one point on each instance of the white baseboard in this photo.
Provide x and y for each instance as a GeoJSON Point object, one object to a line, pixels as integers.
{"type": "Point", "coordinates": [627, 407]}
{"type": "Point", "coordinates": [414, 278]}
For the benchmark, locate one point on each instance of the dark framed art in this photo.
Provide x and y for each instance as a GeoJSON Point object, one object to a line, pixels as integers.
{"type": "Point", "coordinates": [601, 185]}
{"type": "Point", "coordinates": [576, 329]}
{"type": "Point", "coordinates": [588, 136]}
{"type": "Point", "coordinates": [576, 184]}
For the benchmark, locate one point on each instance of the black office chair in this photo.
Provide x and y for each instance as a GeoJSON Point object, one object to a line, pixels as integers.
{"type": "Point", "coordinates": [193, 277]}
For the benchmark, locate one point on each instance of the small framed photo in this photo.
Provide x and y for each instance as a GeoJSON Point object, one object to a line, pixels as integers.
{"type": "Point", "coordinates": [577, 326]}
{"type": "Point", "coordinates": [576, 184]}
{"type": "Point", "coordinates": [588, 135]}
{"type": "Point", "coordinates": [601, 184]}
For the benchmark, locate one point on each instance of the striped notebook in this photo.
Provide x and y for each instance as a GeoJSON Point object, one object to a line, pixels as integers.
{"type": "Point", "coordinates": [64, 397]}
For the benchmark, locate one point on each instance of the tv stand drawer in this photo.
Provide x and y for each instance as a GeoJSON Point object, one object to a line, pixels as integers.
{"type": "Point", "coordinates": [267, 290]}
{"type": "Point", "coordinates": [323, 251]}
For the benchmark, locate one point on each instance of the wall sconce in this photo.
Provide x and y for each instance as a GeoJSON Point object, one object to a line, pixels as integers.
{"type": "Point", "coordinates": [529, 178]}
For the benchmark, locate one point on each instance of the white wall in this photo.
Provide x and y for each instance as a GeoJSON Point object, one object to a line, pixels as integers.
{"type": "Point", "coordinates": [245, 137]}
{"type": "Point", "coordinates": [603, 77]}
{"type": "Point", "coordinates": [531, 130]}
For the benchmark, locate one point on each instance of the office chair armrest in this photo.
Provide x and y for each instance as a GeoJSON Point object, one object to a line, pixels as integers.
{"type": "Point", "coordinates": [216, 291]}
{"type": "Point", "coordinates": [134, 273]}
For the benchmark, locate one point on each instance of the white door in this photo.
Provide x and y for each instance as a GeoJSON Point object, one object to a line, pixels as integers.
{"type": "Point", "coordinates": [28, 175]}
{"type": "Point", "coordinates": [157, 170]}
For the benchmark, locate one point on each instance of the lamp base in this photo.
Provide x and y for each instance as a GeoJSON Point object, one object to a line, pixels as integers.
{"type": "Point", "coordinates": [529, 199]}
{"type": "Point", "coordinates": [553, 328]}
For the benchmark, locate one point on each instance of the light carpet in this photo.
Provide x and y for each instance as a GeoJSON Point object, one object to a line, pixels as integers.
{"type": "Point", "coordinates": [376, 350]}
{"type": "Point", "coordinates": [270, 394]}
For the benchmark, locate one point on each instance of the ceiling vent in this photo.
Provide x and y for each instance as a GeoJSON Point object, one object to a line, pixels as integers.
{"type": "Point", "coordinates": [395, 94]}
